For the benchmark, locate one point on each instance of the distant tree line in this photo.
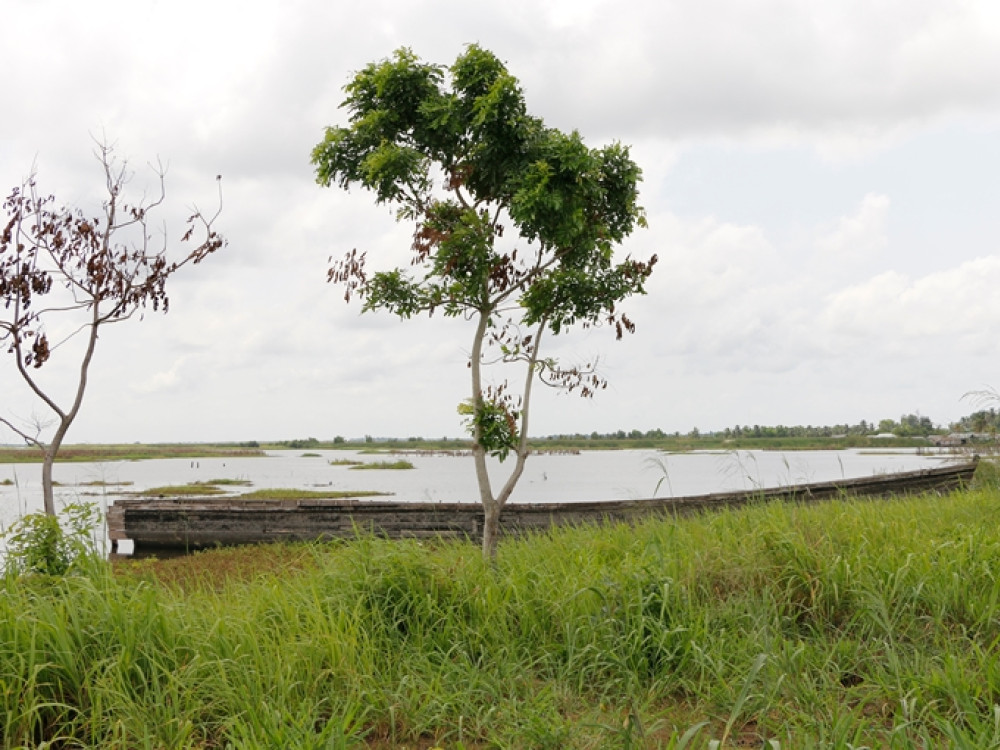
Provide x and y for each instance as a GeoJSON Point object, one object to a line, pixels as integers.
{"type": "Point", "coordinates": [982, 421]}
{"type": "Point", "coordinates": [309, 442]}
{"type": "Point", "coordinates": [908, 425]}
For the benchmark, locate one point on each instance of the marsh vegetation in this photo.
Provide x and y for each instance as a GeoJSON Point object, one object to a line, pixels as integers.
{"type": "Point", "coordinates": [846, 624]}
{"type": "Point", "coordinates": [192, 489]}
{"type": "Point", "coordinates": [400, 464]}
{"type": "Point", "coordinates": [129, 452]}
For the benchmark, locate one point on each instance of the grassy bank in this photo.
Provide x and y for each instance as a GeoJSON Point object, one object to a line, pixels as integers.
{"type": "Point", "coordinates": [129, 452]}
{"type": "Point", "coordinates": [848, 624]}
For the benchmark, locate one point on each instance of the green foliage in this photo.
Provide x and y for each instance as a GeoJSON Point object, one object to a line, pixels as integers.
{"type": "Point", "coordinates": [51, 545]}
{"type": "Point", "coordinates": [574, 203]}
{"type": "Point", "coordinates": [516, 226]}
{"type": "Point", "coordinates": [193, 489]}
{"type": "Point", "coordinates": [400, 464]}
{"type": "Point", "coordinates": [909, 425]}
{"type": "Point", "coordinates": [520, 232]}
{"type": "Point", "coordinates": [982, 420]}
{"type": "Point", "coordinates": [301, 443]}
{"type": "Point", "coordinates": [495, 425]}
{"type": "Point", "coordinates": [847, 624]}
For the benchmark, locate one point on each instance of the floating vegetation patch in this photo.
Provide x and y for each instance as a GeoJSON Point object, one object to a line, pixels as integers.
{"type": "Point", "coordinates": [401, 464]}
{"type": "Point", "coordinates": [195, 489]}
{"type": "Point", "coordinates": [345, 462]}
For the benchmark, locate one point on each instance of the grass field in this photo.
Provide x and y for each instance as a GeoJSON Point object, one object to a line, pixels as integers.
{"type": "Point", "coordinates": [849, 624]}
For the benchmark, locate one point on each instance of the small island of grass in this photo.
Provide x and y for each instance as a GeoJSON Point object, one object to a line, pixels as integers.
{"type": "Point", "coordinates": [195, 489]}
{"type": "Point", "coordinates": [401, 464]}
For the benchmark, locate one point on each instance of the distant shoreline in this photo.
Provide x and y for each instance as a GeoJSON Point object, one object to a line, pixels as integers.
{"type": "Point", "coordinates": [555, 444]}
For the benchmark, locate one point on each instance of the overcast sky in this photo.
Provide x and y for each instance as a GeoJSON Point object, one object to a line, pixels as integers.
{"type": "Point", "coordinates": [822, 182]}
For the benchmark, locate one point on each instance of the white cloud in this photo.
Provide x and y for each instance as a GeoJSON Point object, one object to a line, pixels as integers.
{"type": "Point", "coordinates": [908, 314]}
{"type": "Point", "coordinates": [842, 76]}
{"type": "Point", "coordinates": [858, 239]}
{"type": "Point", "coordinates": [164, 380]}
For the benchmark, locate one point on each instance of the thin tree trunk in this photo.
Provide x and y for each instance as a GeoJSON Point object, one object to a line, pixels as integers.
{"type": "Point", "coordinates": [48, 495]}
{"type": "Point", "coordinates": [491, 530]}
{"type": "Point", "coordinates": [491, 509]}
{"type": "Point", "coordinates": [493, 506]}
{"type": "Point", "coordinates": [65, 420]}
{"type": "Point", "coordinates": [522, 443]}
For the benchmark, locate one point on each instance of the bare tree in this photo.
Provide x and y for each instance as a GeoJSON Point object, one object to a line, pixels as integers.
{"type": "Point", "coordinates": [59, 264]}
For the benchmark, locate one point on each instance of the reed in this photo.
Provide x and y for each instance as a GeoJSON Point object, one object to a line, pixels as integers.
{"type": "Point", "coordinates": [844, 624]}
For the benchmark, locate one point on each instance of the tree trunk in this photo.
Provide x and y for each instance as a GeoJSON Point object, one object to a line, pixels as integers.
{"type": "Point", "coordinates": [48, 496]}
{"type": "Point", "coordinates": [491, 510]}
{"type": "Point", "coordinates": [493, 505]}
{"type": "Point", "coordinates": [66, 418]}
{"type": "Point", "coordinates": [491, 530]}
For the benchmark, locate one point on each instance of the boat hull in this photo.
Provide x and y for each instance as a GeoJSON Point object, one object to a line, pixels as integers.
{"type": "Point", "coordinates": [181, 524]}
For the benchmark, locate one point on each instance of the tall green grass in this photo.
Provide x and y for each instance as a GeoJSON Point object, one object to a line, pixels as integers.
{"type": "Point", "coordinates": [849, 624]}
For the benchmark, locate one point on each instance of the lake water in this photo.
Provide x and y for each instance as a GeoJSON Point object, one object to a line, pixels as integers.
{"type": "Point", "coordinates": [593, 475]}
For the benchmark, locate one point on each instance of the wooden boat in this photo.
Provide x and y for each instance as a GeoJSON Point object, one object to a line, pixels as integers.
{"type": "Point", "coordinates": [179, 524]}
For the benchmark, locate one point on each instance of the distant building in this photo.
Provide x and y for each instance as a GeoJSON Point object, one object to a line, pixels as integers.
{"type": "Point", "coordinates": [954, 439]}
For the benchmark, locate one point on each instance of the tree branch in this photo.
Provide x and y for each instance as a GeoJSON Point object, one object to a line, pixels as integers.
{"type": "Point", "coordinates": [26, 376]}
{"type": "Point", "coordinates": [522, 443]}
{"type": "Point", "coordinates": [29, 439]}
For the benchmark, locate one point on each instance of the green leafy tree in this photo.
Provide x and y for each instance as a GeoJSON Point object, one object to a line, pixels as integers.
{"type": "Point", "coordinates": [516, 226]}
{"type": "Point", "coordinates": [887, 425]}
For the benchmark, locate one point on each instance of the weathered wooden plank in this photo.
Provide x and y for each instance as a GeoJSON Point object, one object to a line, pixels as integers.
{"type": "Point", "coordinates": [182, 523]}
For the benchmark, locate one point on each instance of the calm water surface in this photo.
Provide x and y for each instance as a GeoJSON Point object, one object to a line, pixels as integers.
{"type": "Point", "coordinates": [594, 475]}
